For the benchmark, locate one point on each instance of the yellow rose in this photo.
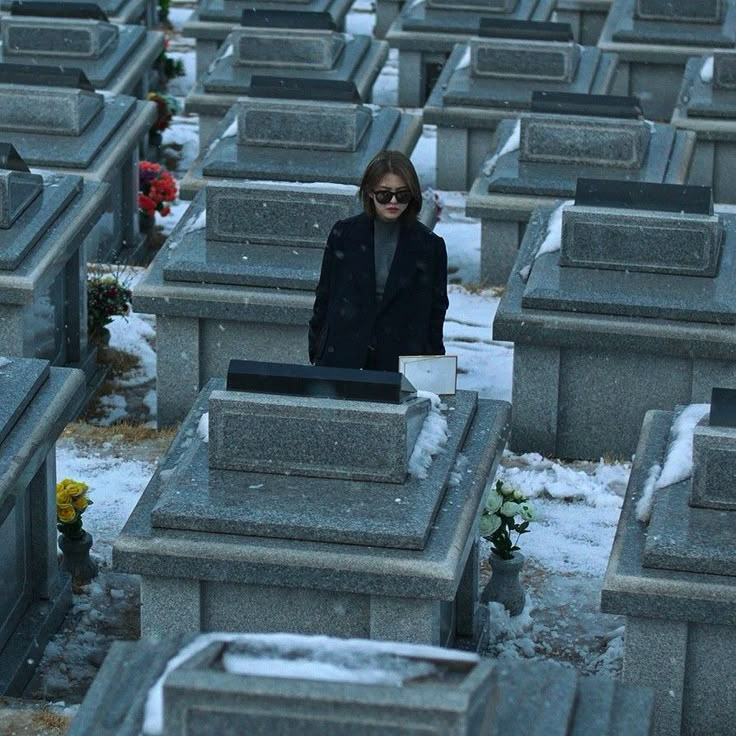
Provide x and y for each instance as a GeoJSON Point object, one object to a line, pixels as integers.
{"type": "Point", "coordinates": [80, 503]}
{"type": "Point", "coordinates": [62, 497]}
{"type": "Point", "coordinates": [66, 514]}
{"type": "Point", "coordinates": [77, 489]}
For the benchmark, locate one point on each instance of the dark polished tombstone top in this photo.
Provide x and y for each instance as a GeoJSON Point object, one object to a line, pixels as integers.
{"type": "Point", "coordinates": [296, 88]}
{"type": "Point", "coordinates": [525, 29]}
{"type": "Point", "coordinates": [723, 407]}
{"type": "Point", "coordinates": [692, 199]}
{"type": "Point", "coordinates": [318, 382]}
{"type": "Point", "coordinates": [108, 7]}
{"type": "Point", "coordinates": [572, 103]}
{"type": "Point", "coordinates": [232, 11]}
{"type": "Point", "coordinates": [303, 20]}
{"type": "Point", "coordinates": [56, 9]}
{"type": "Point", "coordinates": [44, 76]}
{"type": "Point", "coordinates": [704, 23]}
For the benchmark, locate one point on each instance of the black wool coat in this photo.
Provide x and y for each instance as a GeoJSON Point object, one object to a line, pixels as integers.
{"type": "Point", "coordinates": [347, 319]}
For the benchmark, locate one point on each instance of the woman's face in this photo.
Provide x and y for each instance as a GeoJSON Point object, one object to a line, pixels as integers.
{"type": "Point", "coordinates": [392, 210]}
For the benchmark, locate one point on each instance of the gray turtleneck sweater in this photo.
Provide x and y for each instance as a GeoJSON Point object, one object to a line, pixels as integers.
{"type": "Point", "coordinates": [385, 239]}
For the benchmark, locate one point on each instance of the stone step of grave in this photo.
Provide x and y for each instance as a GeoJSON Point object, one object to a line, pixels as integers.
{"type": "Point", "coordinates": [20, 379]}
{"type": "Point", "coordinates": [317, 509]}
{"type": "Point", "coordinates": [697, 11]}
{"type": "Point", "coordinates": [23, 36]}
{"type": "Point", "coordinates": [217, 682]}
{"type": "Point", "coordinates": [297, 49]}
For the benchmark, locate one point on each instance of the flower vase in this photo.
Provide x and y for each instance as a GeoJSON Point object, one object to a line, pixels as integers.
{"type": "Point", "coordinates": [504, 586]}
{"type": "Point", "coordinates": [146, 223]}
{"type": "Point", "coordinates": [75, 558]}
{"type": "Point", "coordinates": [100, 338]}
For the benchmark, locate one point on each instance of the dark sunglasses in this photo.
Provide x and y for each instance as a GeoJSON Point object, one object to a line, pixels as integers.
{"type": "Point", "coordinates": [384, 196]}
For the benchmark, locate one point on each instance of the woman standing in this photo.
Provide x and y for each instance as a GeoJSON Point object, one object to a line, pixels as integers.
{"type": "Point", "coordinates": [382, 290]}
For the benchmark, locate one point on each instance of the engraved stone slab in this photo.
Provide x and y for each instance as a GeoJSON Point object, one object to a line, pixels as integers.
{"type": "Point", "coordinates": [724, 71]}
{"type": "Point", "coordinates": [504, 7]}
{"type": "Point", "coordinates": [17, 190]}
{"type": "Point", "coordinates": [51, 110]}
{"type": "Point", "coordinates": [325, 126]}
{"type": "Point", "coordinates": [314, 437]}
{"type": "Point", "coordinates": [698, 11]}
{"type": "Point", "coordinates": [640, 241]}
{"type": "Point", "coordinates": [276, 215]}
{"type": "Point", "coordinates": [714, 467]}
{"type": "Point", "coordinates": [282, 47]}
{"type": "Point", "coordinates": [56, 37]}
{"type": "Point", "coordinates": [573, 139]}
{"type": "Point", "coordinates": [519, 59]}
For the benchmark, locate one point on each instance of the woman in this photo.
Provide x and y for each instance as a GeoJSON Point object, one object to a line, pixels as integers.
{"type": "Point", "coordinates": [382, 290]}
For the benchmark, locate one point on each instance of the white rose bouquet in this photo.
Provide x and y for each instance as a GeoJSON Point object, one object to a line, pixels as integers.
{"type": "Point", "coordinates": [499, 519]}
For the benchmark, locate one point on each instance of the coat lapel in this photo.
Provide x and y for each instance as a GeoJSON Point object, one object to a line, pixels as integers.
{"type": "Point", "coordinates": [363, 258]}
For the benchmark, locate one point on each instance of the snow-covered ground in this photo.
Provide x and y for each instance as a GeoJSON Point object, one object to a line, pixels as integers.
{"type": "Point", "coordinates": [577, 504]}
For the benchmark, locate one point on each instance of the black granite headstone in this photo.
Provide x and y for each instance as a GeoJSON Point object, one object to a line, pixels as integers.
{"type": "Point", "coordinates": [11, 160]}
{"type": "Point", "coordinates": [570, 103]}
{"type": "Point", "coordinates": [44, 76]}
{"type": "Point", "coordinates": [318, 381]}
{"type": "Point", "coordinates": [313, 21]}
{"type": "Point", "coordinates": [644, 196]}
{"type": "Point", "coordinates": [723, 407]}
{"type": "Point", "coordinates": [304, 88]}
{"type": "Point", "coordinates": [525, 29]}
{"type": "Point", "coordinates": [49, 9]}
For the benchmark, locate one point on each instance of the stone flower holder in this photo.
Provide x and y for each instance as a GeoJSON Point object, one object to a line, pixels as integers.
{"type": "Point", "coordinates": [76, 560]}
{"type": "Point", "coordinates": [504, 586]}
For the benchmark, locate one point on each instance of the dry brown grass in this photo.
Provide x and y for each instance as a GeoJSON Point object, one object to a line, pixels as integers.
{"type": "Point", "coordinates": [123, 432]}
{"type": "Point", "coordinates": [120, 362]}
{"type": "Point", "coordinates": [51, 722]}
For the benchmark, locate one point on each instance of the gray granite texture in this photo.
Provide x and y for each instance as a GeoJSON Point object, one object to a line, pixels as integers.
{"type": "Point", "coordinates": [239, 581]}
{"type": "Point", "coordinates": [213, 21]}
{"type": "Point", "coordinates": [118, 59]}
{"type": "Point", "coordinates": [585, 18]}
{"type": "Point", "coordinates": [510, 186]}
{"type": "Point", "coordinates": [299, 140]}
{"type": "Point", "coordinates": [281, 51]}
{"type": "Point", "coordinates": [606, 346]}
{"type": "Point", "coordinates": [118, 11]}
{"type": "Point", "coordinates": [714, 460]}
{"type": "Point", "coordinates": [270, 505]}
{"type": "Point", "coordinates": [641, 242]}
{"type": "Point", "coordinates": [680, 627]}
{"type": "Point", "coordinates": [313, 437]}
{"type": "Point", "coordinates": [653, 52]}
{"type": "Point", "coordinates": [72, 131]}
{"type": "Point", "coordinates": [43, 267]}
{"type": "Point", "coordinates": [708, 109]}
{"type": "Point", "coordinates": [38, 402]}
{"type": "Point", "coordinates": [458, 695]}
{"type": "Point", "coordinates": [484, 83]}
{"type": "Point", "coordinates": [425, 35]}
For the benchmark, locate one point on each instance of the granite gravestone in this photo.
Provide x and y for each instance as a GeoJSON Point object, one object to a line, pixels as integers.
{"type": "Point", "coordinates": [237, 277]}
{"type": "Point", "coordinates": [46, 222]}
{"type": "Point", "coordinates": [672, 574]}
{"type": "Point", "coordinates": [56, 121]}
{"type": "Point", "coordinates": [706, 106]}
{"type": "Point", "coordinates": [37, 402]}
{"type": "Point", "coordinates": [270, 45]}
{"type": "Point", "coordinates": [213, 21]}
{"type": "Point", "coordinates": [279, 683]}
{"type": "Point", "coordinates": [121, 12]}
{"type": "Point", "coordinates": [654, 40]}
{"type": "Point", "coordinates": [585, 17]}
{"type": "Point", "coordinates": [289, 130]}
{"type": "Point", "coordinates": [539, 157]}
{"type": "Point", "coordinates": [118, 59]}
{"type": "Point", "coordinates": [633, 312]}
{"type": "Point", "coordinates": [402, 556]}
{"type": "Point", "coordinates": [492, 78]}
{"type": "Point", "coordinates": [426, 32]}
